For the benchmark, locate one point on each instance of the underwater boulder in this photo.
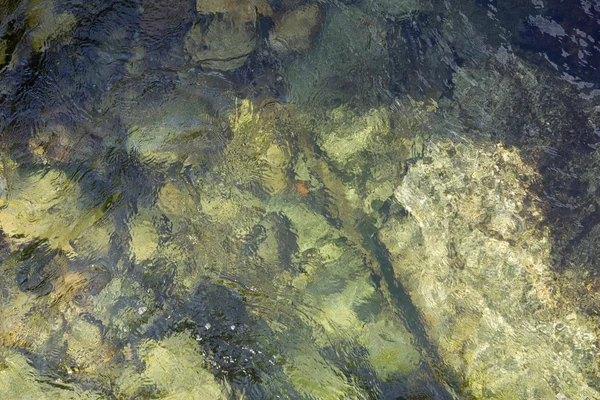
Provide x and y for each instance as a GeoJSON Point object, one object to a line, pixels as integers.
{"type": "Point", "coordinates": [259, 153]}
{"type": "Point", "coordinates": [347, 63]}
{"type": "Point", "coordinates": [20, 380]}
{"type": "Point", "coordinates": [3, 49]}
{"type": "Point", "coordinates": [349, 303]}
{"type": "Point", "coordinates": [555, 128]}
{"type": "Point", "coordinates": [184, 129]}
{"type": "Point", "coordinates": [345, 133]}
{"type": "Point", "coordinates": [226, 33]}
{"type": "Point", "coordinates": [370, 150]}
{"type": "Point", "coordinates": [474, 257]}
{"type": "Point", "coordinates": [144, 237]}
{"type": "Point", "coordinates": [175, 367]}
{"type": "Point", "coordinates": [400, 8]}
{"type": "Point", "coordinates": [294, 30]}
{"type": "Point", "coordinates": [43, 205]}
{"type": "Point", "coordinates": [54, 143]}
{"type": "Point", "coordinates": [6, 8]}
{"type": "Point", "coordinates": [121, 307]}
{"type": "Point", "coordinates": [46, 25]}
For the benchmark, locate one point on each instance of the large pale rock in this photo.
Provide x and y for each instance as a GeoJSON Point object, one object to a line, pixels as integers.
{"type": "Point", "coordinates": [474, 257]}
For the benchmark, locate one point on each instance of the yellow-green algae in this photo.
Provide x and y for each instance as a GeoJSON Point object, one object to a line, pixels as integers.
{"type": "Point", "coordinates": [42, 205]}
{"type": "Point", "coordinates": [18, 381]}
{"type": "Point", "coordinates": [227, 209]}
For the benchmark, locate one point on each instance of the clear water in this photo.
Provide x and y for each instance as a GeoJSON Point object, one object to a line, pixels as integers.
{"type": "Point", "coordinates": [299, 199]}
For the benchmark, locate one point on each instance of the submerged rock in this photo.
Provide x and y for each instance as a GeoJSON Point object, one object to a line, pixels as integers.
{"type": "Point", "coordinates": [259, 152]}
{"type": "Point", "coordinates": [174, 366]}
{"type": "Point", "coordinates": [345, 314]}
{"type": "Point", "coordinates": [20, 380]}
{"type": "Point", "coordinates": [236, 8]}
{"type": "Point", "coordinates": [346, 65]}
{"type": "Point", "coordinates": [184, 129]}
{"type": "Point", "coordinates": [226, 33]}
{"type": "Point", "coordinates": [144, 238]}
{"type": "Point", "coordinates": [400, 8]}
{"type": "Point", "coordinates": [6, 8]}
{"type": "Point", "coordinates": [371, 149]}
{"type": "Point", "coordinates": [474, 257]}
{"type": "Point", "coordinates": [346, 133]}
{"type": "Point", "coordinates": [46, 25]}
{"type": "Point", "coordinates": [42, 205]}
{"type": "Point", "coordinates": [295, 29]}
{"type": "Point", "coordinates": [3, 49]}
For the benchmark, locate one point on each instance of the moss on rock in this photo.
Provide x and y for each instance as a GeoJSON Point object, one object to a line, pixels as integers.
{"type": "Point", "coordinates": [42, 205]}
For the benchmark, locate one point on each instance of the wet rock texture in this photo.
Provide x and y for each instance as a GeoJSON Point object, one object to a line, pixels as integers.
{"type": "Point", "coordinates": [226, 33]}
{"type": "Point", "coordinates": [482, 276]}
{"type": "Point", "coordinates": [294, 29]}
{"type": "Point", "coordinates": [293, 199]}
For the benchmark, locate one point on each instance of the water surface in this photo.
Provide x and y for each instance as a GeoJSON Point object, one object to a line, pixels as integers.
{"type": "Point", "coordinates": [299, 199]}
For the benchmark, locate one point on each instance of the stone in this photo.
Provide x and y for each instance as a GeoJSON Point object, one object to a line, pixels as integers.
{"type": "Point", "coordinates": [348, 313]}
{"type": "Point", "coordinates": [294, 30]}
{"type": "Point", "coordinates": [175, 366]}
{"type": "Point", "coordinates": [346, 133]}
{"type": "Point", "coordinates": [474, 241]}
{"type": "Point", "coordinates": [259, 152]}
{"type": "Point", "coordinates": [400, 8]}
{"type": "Point", "coordinates": [245, 9]}
{"type": "Point", "coordinates": [46, 25]}
{"type": "Point", "coordinates": [228, 37]}
{"type": "Point", "coordinates": [144, 238]}
{"type": "Point", "coordinates": [174, 201]}
{"type": "Point", "coordinates": [42, 205]}
{"type": "Point", "coordinates": [6, 8]}
{"type": "Point", "coordinates": [117, 306]}
{"type": "Point", "coordinates": [178, 130]}
{"type": "Point", "coordinates": [346, 65]}
{"type": "Point", "coordinates": [85, 342]}
{"type": "Point", "coordinates": [19, 380]}
{"type": "Point", "coordinates": [52, 145]}
{"type": "Point", "coordinates": [225, 46]}
{"type": "Point", "coordinates": [3, 49]}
